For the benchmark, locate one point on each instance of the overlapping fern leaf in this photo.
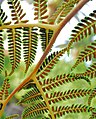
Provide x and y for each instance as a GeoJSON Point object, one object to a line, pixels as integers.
{"type": "Point", "coordinates": [4, 91]}
{"type": "Point", "coordinates": [49, 63]}
{"type": "Point", "coordinates": [34, 110]}
{"type": "Point", "coordinates": [62, 10]}
{"type": "Point", "coordinates": [62, 110]}
{"type": "Point", "coordinates": [31, 97]}
{"type": "Point", "coordinates": [51, 83]}
{"type": "Point", "coordinates": [40, 10]}
{"type": "Point", "coordinates": [83, 29]}
{"type": "Point", "coordinates": [87, 54]}
{"type": "Point", "coordinates": [70, 94]}
{"type": "Point", "coordinates": [3, 19]}
{"type": "Point", "coordinates": [30, 41]}
{"type": "Point", "coordinates": [45, 36]}
{"type": "Point", "coordinates": [14, 47]}
{"type": "Point", "coordinates": [16, 11]}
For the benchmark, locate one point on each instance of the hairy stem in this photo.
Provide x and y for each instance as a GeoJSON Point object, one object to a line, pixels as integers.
{"type": "Point", "coordinates": [57, 31]}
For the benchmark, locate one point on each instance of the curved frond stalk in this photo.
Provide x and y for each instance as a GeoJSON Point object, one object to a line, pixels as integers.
{"type": "Point", "coordinates": [91, 96]}
{"type": "Point", "coordinates": [30, 41]}
{"type": "Point", "coordinates": [49, 84]}
{"type": "Point", "coordinates": [45, 36]}
{"type": "Point", "coordinates": [12, 116]}
{"type": "Point", "coordinates": [70, 94]}
{"type": "Point", "coordinates": [87, 54]}
{"type": "Point", "coordinates": [16, 11]}
{"type": "Point", "coordinates": [62, 110]}
{"type": "Point", "coordinates": [40, 10]}
{"type": "Point", "coordinates": [83, 29]}
{"type": "Point", "coordinates": [91, 71]}
{"type": "Point", "coordinates": [31, 96]}
{"type": "Point", "coordinates": [62, 10]}
{"type": "Point", "coordinates": [34, 110]}
{"type": "Point", "coordinates": [14, 47]}
{"type": "Point", "coordinates": [49, 63]}
{"type": "Point", "coordinates": [4, 91]}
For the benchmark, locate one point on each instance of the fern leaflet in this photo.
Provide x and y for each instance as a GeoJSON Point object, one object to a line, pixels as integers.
{"type": "Point", "coordinates": [16, 11]}
{"type": "Point", "coordinates": [40, 10]}
{"type": "Point", "coordinates": [86, 54]}
{"type": "Point", "coordinates": [83, 29]}
{"type": "Point", "coordinates": [30, 40]}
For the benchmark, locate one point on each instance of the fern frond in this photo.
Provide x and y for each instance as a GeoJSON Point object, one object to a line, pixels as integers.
{"type": "Point", "coordinates": [31, 96]}
{"type": "Point", "coordinates": [50, 83]}
{"type": "Point", "coordinates": [3, 18]}
{"type": "Point", "coordinates": [12, 116]}
{"type": "Point", "coordinates": [34, 110]}
{"type": "Point", "coordinates": [4, 91]}
{"type": "Point", "coordinates": [30, 40]}
{"type": "Point", "coordinates": [70, 94]}
{"type": "Point", "coordinates": [62, 10]}
{"type": "Point", "coordinates": [91, 71]}
{"type": "Point", "coordinates": [83, 29]}
{"type": "Point", "coordinates": [45, 36]}
{"type": "Point", "coordinates": [87, 54]}
{"type": "Point", "coordinates": [49, 63]}
{"type": "Point", "coordinates": [16, 11]}
{"type": "Point", "coordinates": [91, 96]}
{"type": "Point", "coordinates": [14, 47]}
{"type": "Point", "coordinates": [62, 110]}
{"type": "Point", "coordinates": [40, 10]}
{"type": "Point", "coordinates": [1, 51]}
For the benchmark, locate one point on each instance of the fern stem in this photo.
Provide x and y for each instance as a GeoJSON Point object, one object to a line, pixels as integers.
{"type": "Point", "coordinates": [19, 25]}
{"type": "Point", "coordinates": [57, 31]}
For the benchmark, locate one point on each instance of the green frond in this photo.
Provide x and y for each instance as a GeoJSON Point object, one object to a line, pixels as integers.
{"type": "Point", "coordinates": [62, 110]}
{"type": "Point", "coordinates": [30, 43]}
{"type": "Point", "coordinates": [50, 83]}
{"type": "Point", "coordinates": [14, 47]}
{"type": "Point", "coordinates": [16, 11]}
{"type": "Point", "coordinates": [31, 96]}
{"type": "Point", "coordinates": [91, 71]}
{"type": "Point", "coordinates": [83, 29]}
{"type": "Point", "coordinates": [49, 63]}
{"type": "Point", "coordinates": [34, 110]}
{"type": "Point", "coordinates": [87, 54]}
{"type": "Point", "coordinates": [1, 51]}
{"type": "Point", "coordinates": [91, 96]}
{"type": "Point", "coordinates": [45, 36]}
{"type": "Point", "coordinates": [12, 116]}
{"type": "Point", "coordinates": [3, 18]}
{"type": "Point", "coordinates": [4, 90]}
{"type": "Point", "coordinates": [62, 10]}
{"type": "Point", "coordinates": [40, 10]}
{"type": "Point", "coordinates": [70, 94]}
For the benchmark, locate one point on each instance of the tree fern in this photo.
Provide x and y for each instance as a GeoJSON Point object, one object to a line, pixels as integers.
{"type": "Point", "coordinates": [44, 94]}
